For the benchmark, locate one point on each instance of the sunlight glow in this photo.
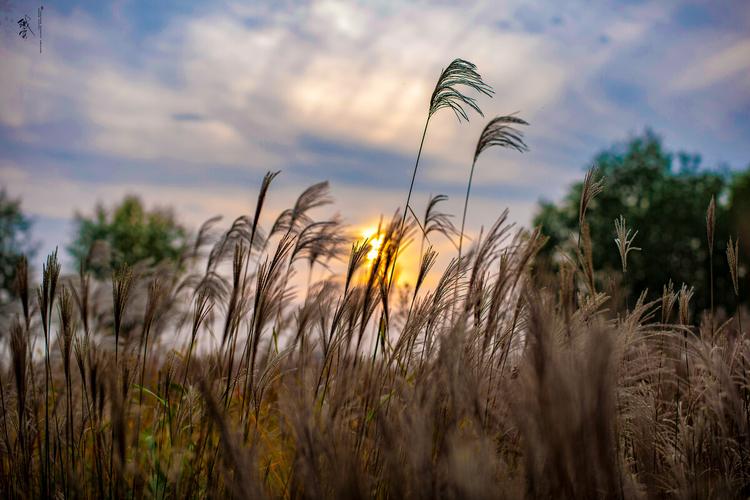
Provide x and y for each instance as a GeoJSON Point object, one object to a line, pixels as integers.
{"type": "Point", "coordinates": [375, 242]}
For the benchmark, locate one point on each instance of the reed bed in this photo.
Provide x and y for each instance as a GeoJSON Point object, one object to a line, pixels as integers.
{"type": "Point", "coordinates": [501, 380]}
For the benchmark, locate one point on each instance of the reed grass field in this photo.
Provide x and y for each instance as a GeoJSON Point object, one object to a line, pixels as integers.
{"type": "Point", "coordinates": [287, 360]}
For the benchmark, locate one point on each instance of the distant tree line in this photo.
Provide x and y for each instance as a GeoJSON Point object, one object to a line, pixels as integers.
{"type": "Point", "coordinates": [127, 233]}
{"type": "Point", "coordinates": [664, 196]}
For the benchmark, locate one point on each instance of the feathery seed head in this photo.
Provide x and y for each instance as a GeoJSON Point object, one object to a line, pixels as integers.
{"type": "Point", "coordinates": [711, 223]}
{"type": "Point", "coordinates": [67, 325]}
{"type": "Point", "coordinates": [624, 241]}
{"type": "Point", "coordinates": [732, 260]}
{"type": "Point", "coordinates": [447, 95]}
{"type": "Point", "coordinates": [428, 260]}
{"type": "Point", "coordinates": [46, 291]}
{"type": "Point", "coordinates": [501, 132]}
{"type": "Point", "coordinates": [22, 286]}
{"type": "Point", "coordinates": [591, 189]}
{"type": "Point", "coordinates": [122, 280]}
{"type": "Point", "coordinates": [437, 221]}
{"type": "Point", "coordinates": [668, 298]}
{"type": "Point", "coordinates": [684, 302]}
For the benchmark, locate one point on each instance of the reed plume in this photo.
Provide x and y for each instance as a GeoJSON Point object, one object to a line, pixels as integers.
{"type": "Point", "coordinates": [624, 241]}
{"type": "Point", "coordinates": [46, 298]}
{"type": "Point", "coordinates": [732, 260]}
{"type": "Point", "coordinates": [22, 288]}
{"type": "Point", "coordinates": [448, 94]}
{"type": "Point", "coordinates": [122, 280]}
{"type": "Point", "coordinates": [591, 189]}
{"type": "Point", "coordinates": [499, 132]}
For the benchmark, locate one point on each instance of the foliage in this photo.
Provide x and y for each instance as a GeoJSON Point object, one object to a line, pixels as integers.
{"type": "Point", "coordinates": [15, 242]}
{"type": "Point", "coordinates": [739, 209]}
{"type": "Point", "coordinates": [127, 234]}
{"type": "Point", "coordinates": [664, 197]}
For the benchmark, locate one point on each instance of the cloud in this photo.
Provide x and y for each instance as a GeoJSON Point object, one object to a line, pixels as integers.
{"type": "Point", "coordinates": [251, 86]}
{"type": "Point", "coordinates": [187, 117]}
{"type": "Point", "coordinates": [729, 62]}
{"type": "Point", "coordinates": [193, 110]}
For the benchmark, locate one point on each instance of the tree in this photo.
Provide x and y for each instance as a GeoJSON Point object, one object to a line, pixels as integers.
{"type": "Point", "coordinates": [664, 197]}
{"type": "Point", "coordinates": [739, 210]}
{"type": "Point", "coordinates": [127, 234]}
{"type": "Point", "coordinates": [15, 242]}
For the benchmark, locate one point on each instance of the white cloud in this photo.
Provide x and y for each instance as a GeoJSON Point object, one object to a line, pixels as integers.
{"type": "Point", "coordinates": [730, 61]}
{"type": "Point", "coordinates": [359, 72]}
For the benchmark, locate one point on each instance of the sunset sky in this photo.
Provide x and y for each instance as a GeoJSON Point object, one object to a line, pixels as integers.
{"type": "Point", "coordinates": [188, 103]}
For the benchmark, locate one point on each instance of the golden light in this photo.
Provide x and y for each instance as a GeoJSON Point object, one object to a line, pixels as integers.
{"type": "Point", "coordinates": [375, 242]}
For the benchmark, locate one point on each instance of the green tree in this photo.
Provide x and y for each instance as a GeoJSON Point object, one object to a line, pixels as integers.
{"type": "Point", "coordinates": [15, 241]}
{"type": "Point", "coordinates": [664, 196]}
{"type": "Point", "coordinates": [127, 234]}
{"type": "Point", "coordinates": [739, 212]}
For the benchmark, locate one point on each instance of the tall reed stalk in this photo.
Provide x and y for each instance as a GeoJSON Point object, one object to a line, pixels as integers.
{"type": "Point", "coordinates": [46, 298]}
{"type": "Point", "coordinates": [446, 94]}
{"type": "Point", "coordinates": [122, 280]}
{"type": "Point", "coordinates": [710, 230]}
{"type": "Point", "coordinates": [499, 132]}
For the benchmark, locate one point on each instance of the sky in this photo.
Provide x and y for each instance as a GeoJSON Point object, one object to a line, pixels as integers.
{"type": "Point", "coordinates": [188, 104]}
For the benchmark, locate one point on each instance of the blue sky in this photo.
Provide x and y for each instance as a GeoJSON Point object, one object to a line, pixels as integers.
{"type": "Point", "coordinates": [189, 103]}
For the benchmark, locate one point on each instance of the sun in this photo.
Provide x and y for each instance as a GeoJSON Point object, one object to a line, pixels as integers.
{"type": "Point", "coordinates": [376, 241]}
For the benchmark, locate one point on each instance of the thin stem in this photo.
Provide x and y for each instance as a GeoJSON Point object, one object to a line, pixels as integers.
{"type": "Point", "coordinates": [466, 206]}
{"type": "Point", "coordinates": [461, 238]}
{"type": "Point", "coordinates": [47, 376]}
{"type": "Point", "coordinates": [140, 397]}
{"type": "Point", "coordinates": [189, 355]}
{"type": "Point", "coordinates": [408, 197]}
{"type": "Point", "coordinates": [403, 219]}
{"type": "Point", "coordinates": [711, 274]}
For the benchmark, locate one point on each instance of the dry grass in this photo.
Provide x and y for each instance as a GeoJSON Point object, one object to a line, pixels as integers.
{"type": "Point", "coordinates": [499, 381]}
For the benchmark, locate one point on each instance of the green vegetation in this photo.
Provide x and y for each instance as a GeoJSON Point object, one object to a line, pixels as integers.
{"type": "Point", "coordinates": [663, 196]}
{"type": "Point", "coordinates": [216, 379]}
{"type": "Point", "coordinates": [15, 242]}
{"type": "Point", "coordinates": [127, 234]}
